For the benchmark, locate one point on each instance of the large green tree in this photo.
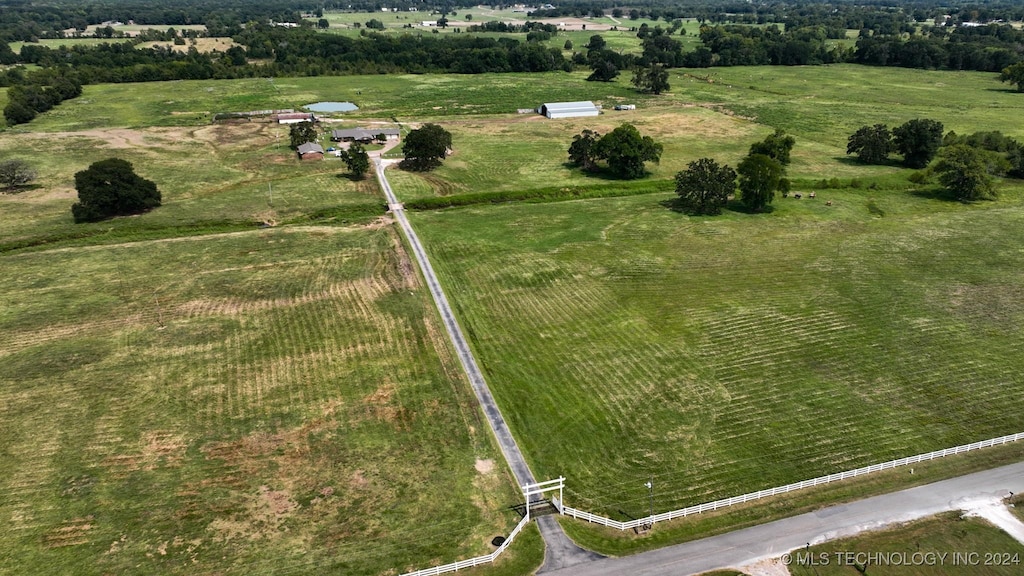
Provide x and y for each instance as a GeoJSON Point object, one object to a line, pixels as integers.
{"type": "Point", "coordinates": [581, 151]}
{"type": "Point", "coordinates": [357, 160]}
{"type": "Point", "coordinates": [871, 144]}
{"type": "Point", "coordinates": [1014, 75]}
{"type": "Point", "coordinates": [425, 148]}
{"type": "Point", "coordinates": [917, 141]}
{"type": "Point", "coordinates": [760, 177]}
{"type": "Point", "coordinates": [301, 133]}
{"type": "Point", "coordinates": [777, 145]}
{"type": "Point", "coordinates": [112, 188]}
{"type": "Point", "coordinates": [626, 151]}
{"type": "Point", "coordinates": [704, 187]}
{"type": "Point", "coordinates": [651, 79]}
{"type": "Point", "coordinates": [967, 172]}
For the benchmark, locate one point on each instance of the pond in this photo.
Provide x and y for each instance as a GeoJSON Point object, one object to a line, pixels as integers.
{"type": "Point", "coordinates": [331, 107]}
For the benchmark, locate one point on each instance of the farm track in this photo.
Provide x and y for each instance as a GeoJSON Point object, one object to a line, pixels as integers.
{"type": "Point", "coordinates": [560, 552]}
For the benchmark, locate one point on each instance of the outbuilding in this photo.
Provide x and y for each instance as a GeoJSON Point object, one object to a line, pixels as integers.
{"type": "Point", "coordinates": [568, 109]}
{"type": "Point", "coordinates": [295, 117]}
{"type": "Point", "coordinates": [311, 151]}
{"type": "Point", "coordinates": [364, 135]}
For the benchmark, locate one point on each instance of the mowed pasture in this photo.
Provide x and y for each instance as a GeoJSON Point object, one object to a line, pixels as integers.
{"type": "Point", "coordinates": [280, 401]}
{"type": "Point", "coordinates": [720, 112]}
{"type": "Point", "coordinates": [725, 355]}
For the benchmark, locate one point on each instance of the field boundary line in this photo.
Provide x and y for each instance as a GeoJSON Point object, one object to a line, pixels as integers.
{"type": "Point", "coordinates": [471, 562]}
{"type": "Point", "coordinates": [726, 502]}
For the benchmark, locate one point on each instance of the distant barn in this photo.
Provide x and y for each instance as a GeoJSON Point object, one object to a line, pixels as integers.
{"type": "Point", "coordinates": [295, 117]}
{"type": "Point", "coordinates": [568, 109]}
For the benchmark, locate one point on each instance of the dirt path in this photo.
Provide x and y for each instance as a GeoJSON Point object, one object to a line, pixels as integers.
{"type": "Point", "coordinates": [559, 550]}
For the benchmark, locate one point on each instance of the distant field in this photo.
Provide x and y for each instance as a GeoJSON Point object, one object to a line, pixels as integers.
{"type": "Point", "coordinates": [201, 44]}
{"type": "Point", "coordinates": [937, 539]}
{"type": "Point", "coordinates": [226, 172]}
{"type": "Point", "coordinates": [731, 354]}
{"type": "Point", "coordinates": [134, 29]}
{"type": "Point", "coordinates": [276, 402]}
{"type": "Point", "coordinates": [58, 42]}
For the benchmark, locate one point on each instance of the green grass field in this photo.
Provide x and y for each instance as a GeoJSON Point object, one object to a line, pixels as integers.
{"type": "Point", "coordinates": [242, 173]}
{"type": "Point", "coordinates": [622, 339]}
{"type": "Point", "coordinates": [724, 355]}
{"type": "Point", "coordinates": [278, 401]}
{"type": "Point", "coordinates": [983, 549]}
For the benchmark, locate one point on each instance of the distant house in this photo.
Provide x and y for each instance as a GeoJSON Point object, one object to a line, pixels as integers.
{"type": "Point", "coordinates": [295, 117]}
{"type": "Point", "coordinates": [311, 151]}
{"type": "Point", "coordinates": [363, 134]}
{"type": "Point", "coordinates": [568, 109]}
{"type": "Point", "coordinates": [428, 23]}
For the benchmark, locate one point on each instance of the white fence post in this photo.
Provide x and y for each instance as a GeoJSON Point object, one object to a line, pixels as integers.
{"type": "Point", "coordinates": [726, 502]}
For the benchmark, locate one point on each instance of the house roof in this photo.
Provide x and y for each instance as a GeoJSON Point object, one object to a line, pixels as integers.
{"type": "Point", "coordinates": [563, 107]}
{"type": "Point", "coordinates": [295, 116]}
{"type": "Point", "coordinates": [310, 148]}
{"type": "Point", "coordinates": [363, 133]}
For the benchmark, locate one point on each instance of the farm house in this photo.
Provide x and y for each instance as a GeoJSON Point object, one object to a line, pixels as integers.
{"type": "Point", "coordinates": [568, 109]}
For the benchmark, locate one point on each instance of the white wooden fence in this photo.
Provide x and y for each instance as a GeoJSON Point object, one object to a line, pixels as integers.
{"type": "Point", "coordinates": [725, 503]}
{"type": "Point", "coordinates": [463, 564]}
{"type": "Point", "coordinates": [632, 524]}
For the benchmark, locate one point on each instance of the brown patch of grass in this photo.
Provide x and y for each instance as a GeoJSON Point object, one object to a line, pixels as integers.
{"type": "Point", "coordinates": [71, 533]}
{"type": "Point", "coordinates": [383, 406]}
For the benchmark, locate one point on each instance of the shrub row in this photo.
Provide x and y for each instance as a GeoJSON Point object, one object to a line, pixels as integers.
{"type": "Point", "coordinates": [553, 194]}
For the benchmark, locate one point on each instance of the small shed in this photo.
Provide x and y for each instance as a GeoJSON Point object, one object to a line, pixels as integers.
{"type": "Point", "coordinates": [568, 109]}
{"type": "Point", "coordinates": [311, 151]}
{"type": "Point", "coordinates": [295, 117]}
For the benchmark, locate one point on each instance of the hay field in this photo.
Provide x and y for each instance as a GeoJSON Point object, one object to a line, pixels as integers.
{"type": "Point", "coordinates": [272, 402]}
{"type": "Point", "coordinates": [725, 355]}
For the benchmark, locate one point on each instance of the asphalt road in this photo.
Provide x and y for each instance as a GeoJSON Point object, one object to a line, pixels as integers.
{"type": "Point", "coordinates": [744, 547]}
{"type": "Point", "coordinates": [559, 550]}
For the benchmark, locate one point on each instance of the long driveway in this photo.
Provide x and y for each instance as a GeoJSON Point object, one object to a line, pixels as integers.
{"type": "Point", "coordinates": [744, 547]}
{"type": "Point", "coordinates": [559, 551]}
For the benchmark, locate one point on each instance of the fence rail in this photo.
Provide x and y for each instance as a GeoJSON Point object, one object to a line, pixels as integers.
{"type": "Point", "coordinates": [471, 562]}
{"type": "Point", "coordinates": [725, 503]}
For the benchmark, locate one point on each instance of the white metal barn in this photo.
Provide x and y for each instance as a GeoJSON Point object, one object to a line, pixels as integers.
{"type": "Point", "coordinates": [568, 109]}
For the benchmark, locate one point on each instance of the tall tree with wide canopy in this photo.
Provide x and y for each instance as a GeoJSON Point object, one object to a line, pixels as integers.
{"type": "Point", "coordinates": [871, 144]}
{"type": "Point", "coordinates": [917, 141]}
{"type": "Point", "coordinates": [112, 188]}
{"type": "Point", "coordinates": [760, 177]}
{"type": "Point", "coordinates": [967, 172]}
{"type": "Point", "coordinates": [704, 187]}
{"type": "Point", "coordinates": [425, 148]}
{"type": "Point", "coordinates": [777, 145]}
{"type": "Point", "coordinates": [626, 151]}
